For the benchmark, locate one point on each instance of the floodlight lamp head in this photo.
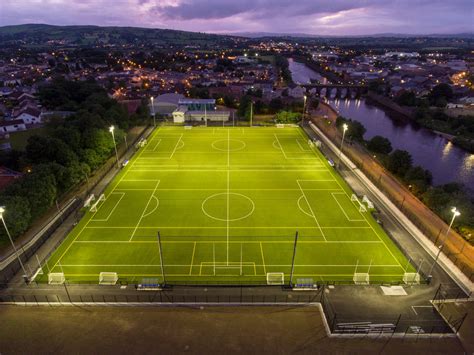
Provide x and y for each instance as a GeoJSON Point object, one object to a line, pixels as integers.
{"type": "Point", "coordinates": [111, 129]}
{"type": "Point", "coordinates": [2, 209]}
{"type": "Point", "coordinates": [455, 212]}
{"type": "Point", "coordinates": [345, 127]}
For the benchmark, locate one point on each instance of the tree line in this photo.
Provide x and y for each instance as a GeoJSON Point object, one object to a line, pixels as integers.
{"type": "Point", "coordinates": [72, 148]}
{"type": "Point", "coordinates": [439, 199]}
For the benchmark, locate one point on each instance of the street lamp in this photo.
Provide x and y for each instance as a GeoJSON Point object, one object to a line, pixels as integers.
{"type": "Point", "coordinates": [344, 129]}
{"type": "Point", "coordinates": [304, 105]}
{"type": "Point", "coordinates": [2, 210]}
{"type": "Point", "coordinates": [456, 213]}
{"type": "Point", "coordinates": [153, 111]}
{"type": "Point", "coordinates": [111, 130]}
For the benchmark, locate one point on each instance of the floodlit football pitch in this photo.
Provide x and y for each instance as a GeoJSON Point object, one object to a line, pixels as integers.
{"type": "Point", "coordinates": [228, 203]}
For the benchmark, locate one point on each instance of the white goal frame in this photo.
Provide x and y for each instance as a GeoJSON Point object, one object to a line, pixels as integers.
{"type": "Point", "coordinates": [91, 198]}
{"type": "Point", "coordinates": [275, 278]}
{"type": "Point", "coordinates": [411, 278]}
{"type": "Point", "coordinates": [94, 206]}
{"type": "Point", "coordinates": [361, 278]}
{"type": "Point", "coordinates": [108, 278]}
{"type": "Point", "coordinates": [56, 278]}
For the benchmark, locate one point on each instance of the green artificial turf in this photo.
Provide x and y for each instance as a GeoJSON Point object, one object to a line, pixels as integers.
{"type": "Point", "coordinates": [227, 203]}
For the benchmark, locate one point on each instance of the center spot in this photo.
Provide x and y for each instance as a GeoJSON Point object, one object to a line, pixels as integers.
{"type": "Point", "coordinates": [228, 206]}
{"type": "Point", "coordinates": [228, 145]}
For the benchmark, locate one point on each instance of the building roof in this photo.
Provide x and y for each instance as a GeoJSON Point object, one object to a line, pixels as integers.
{"type": "Point", "coordinates": [171, 98]}
{"type": "Point", "coordinates": [11, 123]}
{"type": "Point", "coordinates": [187, 101]}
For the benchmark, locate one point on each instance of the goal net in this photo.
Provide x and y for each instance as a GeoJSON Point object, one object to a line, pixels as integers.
{"type": "Point", "coordinates": [275, 278]}
{"type": "Point", "coordinates": [91, 198]}
{"type": "Point", "coordinates": [411, 278]}
{"type": "Point", "coordinates": [94, 206]}
{"type": "Point", "coordinates": [108, 278]}
{"type": "Point", "coordinates": [361, 278]}
{"type": "Point", "coordinates": [56, 278]}
{"type": "Point", "coordinates": [188, 127]}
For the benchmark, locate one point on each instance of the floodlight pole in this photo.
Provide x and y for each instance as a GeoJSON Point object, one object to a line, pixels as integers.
{"type": "Point", "coordinates": [161, 259]}
{"type": "Point", "coordinates": [304, 106]}
{"type": "Point", "coordinates": [251, 113]}
{"type": "Point", "coordinates": [455, 214]}
{"type": "Point", "coordinates": [111, 130]}
{"type": "Point", "coordinates": [153, 110]}
{"type": "Point", "coordinates": [344, 129]}
{"type": "Point", "coordinates": [2, 210]}
{"type": "Point", "coordinates": [293, 260]}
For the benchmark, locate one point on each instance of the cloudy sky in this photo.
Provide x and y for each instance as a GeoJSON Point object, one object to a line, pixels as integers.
{"type": "Point", "coordinates": [325, 17]}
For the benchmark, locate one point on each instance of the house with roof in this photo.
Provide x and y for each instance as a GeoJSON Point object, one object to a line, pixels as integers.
{"type": "Point", "coordinates": [12, 126]}
{"type": "Point", "coordinates": [29, 115]}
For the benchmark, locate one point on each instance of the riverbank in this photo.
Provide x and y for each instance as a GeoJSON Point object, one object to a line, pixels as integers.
{"type": "Point", "coordinates": [456, 248]}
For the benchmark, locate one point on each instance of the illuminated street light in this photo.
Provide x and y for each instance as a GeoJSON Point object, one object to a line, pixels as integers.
{"type": "Point", "coordinates": [153, 111]}
{"type": "Point", "coordinates": [456, 213]}
{"type": "Point", "coordinates": [344, 129]}
{"type": "Point", "coordinates": [111, 130]}
{"type": "Point", "coordinates": [304, 105]}
{"type": "Point", "coordinates": [2, 210]}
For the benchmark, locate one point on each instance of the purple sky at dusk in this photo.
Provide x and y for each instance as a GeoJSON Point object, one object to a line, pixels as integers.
{"type": "Point", "coordinates": [324, 17]}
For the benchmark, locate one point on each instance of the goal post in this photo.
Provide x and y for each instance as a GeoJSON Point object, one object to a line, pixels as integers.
{"type": "Point", "coordinates": [94, 205]}
{"type": "Point", "coordinates": [275, 278]}
{"type": "Point", "coordinates": [108, 278]}
{"type": "Point", "coordinates": [56, 278]}
{"type": "Point", "coordinates": [411, 278]}
{"type": "Point", "coordinates": [361, 278]}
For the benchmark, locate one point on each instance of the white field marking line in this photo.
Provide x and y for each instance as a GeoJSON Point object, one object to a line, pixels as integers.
{"type": "Point", "coordinates": [153, 210]}
{"type": "Point", "coordinates": [233, 242]}
{"type": "Point", "coordinates": [192, 259]}
{"type": "Point", "coordinates": [176, 146]}
{"type": "Point", "coordinates": [113, 209]}
{"type": "Point", "coordinates": [373, 229]}
{"type": "Point", "coordinates": [127, 169]}
{"type": "Point", "coordinates": [222, 168]}
{"type": "Point", "coordinates": [263, 259]}
{"type": "Point", "coordinates": [228, 193]}
{"type": "Point", "coordinates": [224, 266]}
{"type": "Point", "coordinates": [316, 153]}
{"type": "Point", "coordinates": [302, 210]}
{"type": "Point", "coordinates": [157, 144]}
{"type": "Point", "coordinates": [143, 212]}
{"type": "Point", "coordinates": [342, 209]}
{"type": "Point", "coordinates": [301, 147]}
{"type": "Point", "coordinates": [284, 153]}
{"type": "Point", "coordinates": [281, 147]}
{"type": "Point", "coordinates": [236, 227]}
{"type": "Point", "coordinates": [130, 166]}
{"type": "Point", "coordinates": [276, 147]}
{"type": "Point", "coordinates": [311, 209]}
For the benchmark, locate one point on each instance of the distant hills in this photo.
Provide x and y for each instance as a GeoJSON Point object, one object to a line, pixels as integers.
{"type": "Point", "coordinates": [378, 35]}
{"type": "Point", "coordinates": [41, 34]}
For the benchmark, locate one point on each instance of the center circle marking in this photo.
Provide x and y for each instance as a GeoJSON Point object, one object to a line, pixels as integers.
{"type": "Point", "coordinates": [222, 197]}
{"type": "Point", "coordinates": [228, 145]}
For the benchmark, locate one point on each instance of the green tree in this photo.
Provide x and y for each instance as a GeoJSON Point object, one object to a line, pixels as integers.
{"type": "Point", "coordinates": [379, 144]}
{"type": "Point", "coordinates": [420, 179]}
{"type": "Point", "coordinates": [399, 162]}
{"type": "Point", "coordinates": [287, 117]}
{"type": "Point", "coordinates": [17, 215]}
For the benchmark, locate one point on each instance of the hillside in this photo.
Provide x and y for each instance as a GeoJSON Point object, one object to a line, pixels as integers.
{"type": "Point", "coordinates": [39, 34]}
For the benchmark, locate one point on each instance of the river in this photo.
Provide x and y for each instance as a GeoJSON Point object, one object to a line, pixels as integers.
{"type": "Point", "coordinates": [446, 162]}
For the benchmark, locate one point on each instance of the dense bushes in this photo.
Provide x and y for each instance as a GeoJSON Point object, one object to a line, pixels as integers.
{"type": "Point", "coordinates": [74, 147]}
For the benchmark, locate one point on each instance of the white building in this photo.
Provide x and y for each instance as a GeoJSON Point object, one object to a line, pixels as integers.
{"type": "Point", "coordinates": [12, 126]}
